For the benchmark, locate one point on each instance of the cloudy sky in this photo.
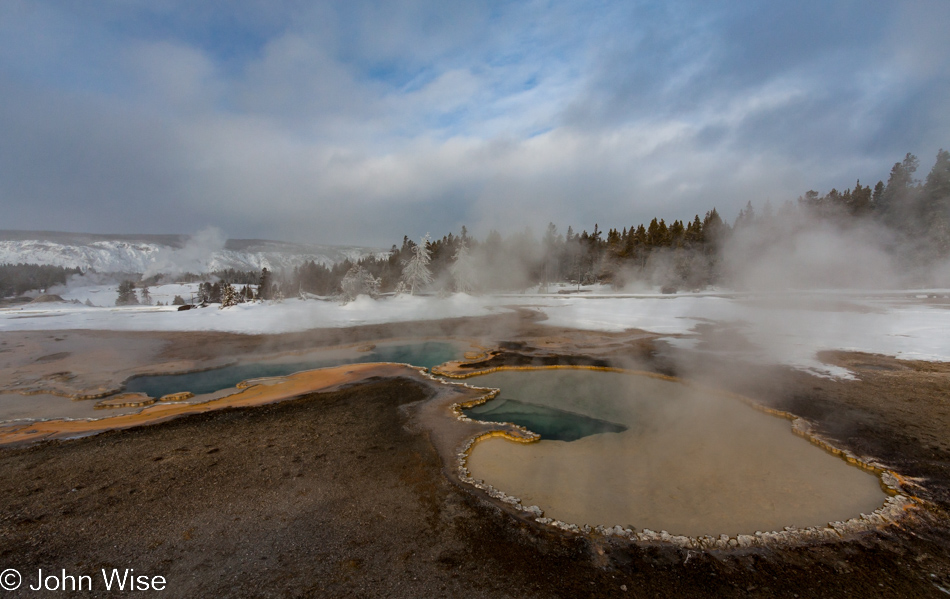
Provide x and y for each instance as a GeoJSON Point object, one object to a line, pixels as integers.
{"type": "Point", "coordinates": [358, 122]}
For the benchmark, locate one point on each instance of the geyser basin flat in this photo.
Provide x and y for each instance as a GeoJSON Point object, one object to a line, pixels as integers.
{"type": "Point", "coordinates": [691, 462]}
{"type": "Point", "coordinates": [425, 354]}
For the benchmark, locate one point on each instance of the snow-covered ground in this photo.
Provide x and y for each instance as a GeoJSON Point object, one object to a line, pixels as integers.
{"type": "Point", "coordinates": [786, 329]}
{"type": "Point", "coordinates": [256, 317]}
{"type": "Point", "coordinates": [105, 295]}
{"type": "Point", "coordinates": [781, 332]}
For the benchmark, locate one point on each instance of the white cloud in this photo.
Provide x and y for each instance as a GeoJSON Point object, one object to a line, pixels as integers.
{"type": "Point", "coordinates": [356, 123]}
{"type": "Point", "coordinates": [173, 75]}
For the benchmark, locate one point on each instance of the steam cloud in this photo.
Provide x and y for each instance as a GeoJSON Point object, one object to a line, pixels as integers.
{"type": "Point", "coordinates": [194, 256]}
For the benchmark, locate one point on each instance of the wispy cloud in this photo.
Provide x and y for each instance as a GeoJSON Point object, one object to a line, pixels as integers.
{"type": "Point", "coordinates": [362, 121]}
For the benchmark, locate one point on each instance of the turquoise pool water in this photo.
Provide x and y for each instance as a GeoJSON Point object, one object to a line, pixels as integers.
{"type": "Point", "coordinates": [551, 423]}
{"type": "Point", "coordinates": [426, 354]}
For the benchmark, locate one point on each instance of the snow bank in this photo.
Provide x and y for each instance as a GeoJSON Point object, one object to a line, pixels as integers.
{"type": "Point", "coordinates": [888, 325]}
{"type": "Point", "coordinates": [268, 317]}
{"type": "Point", "coordinates": [780, 331]}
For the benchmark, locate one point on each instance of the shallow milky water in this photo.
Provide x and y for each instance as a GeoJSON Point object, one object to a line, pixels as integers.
{"type": "Point", "coordinates": [426, 354]}
{"type": "Point", "coordinates": [43, 406]}
{"type": "Point", "coordinates": [690, 462]}
{"type": "Point", "coordinates": [219, 382]}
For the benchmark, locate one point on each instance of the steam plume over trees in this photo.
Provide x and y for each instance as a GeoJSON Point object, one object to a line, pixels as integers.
{"type": "Point", "coordinates": [463, 268]}
{"type": "Point", "coordinates": [901, 224]}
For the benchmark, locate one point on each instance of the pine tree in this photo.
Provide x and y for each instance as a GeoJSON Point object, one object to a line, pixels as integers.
{"type": "Point", "coordinates": [264, 286]}
{"type": "Point", "coordinates": [677, 233]}
{"type": "Point", "coordinates": [877, 198]}
{"type": "Point", "coordinates": [416, 273]}
{"type": "Point", "coordinates": [746, 216]}
{"type": "Point", "coordinates": [860, 203]}
{"type": "Point", "coordinates": [126, 294]}
{"type": "Point", "coordinates": [178, 301]}
{"type": "Point", "coordinates": [937, 185]}
{"type": "Point", "coordinates": [694, 232]}
{"type": "Point", "coordinates": [146, 296]}
{"type": "Point", "coordinates": [935, 206]}
{"type": "Point", "coordinates": [898, 197]}
{"type": "Point", "coordinates": [658, 234]}
{"type": "Point", "coordinates": [714, 231]}
{"type": "Point", "coordinates": [228, 296]}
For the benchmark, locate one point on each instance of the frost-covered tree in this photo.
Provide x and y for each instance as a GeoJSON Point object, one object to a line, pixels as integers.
{"type": "Point", "coordinates": [463, 269]}
{"type": "Point", "coordinates": [359, 281]}
{"type": "Point", "coordinates": [228, 296]}
{"type": "Point", "coordinates": [416, 273]}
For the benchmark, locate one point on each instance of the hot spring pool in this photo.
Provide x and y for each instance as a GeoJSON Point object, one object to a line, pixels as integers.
{"type": "Point", "coordinates": [426, 354]}
{"type": "Point", "coordinates": [656, 454]}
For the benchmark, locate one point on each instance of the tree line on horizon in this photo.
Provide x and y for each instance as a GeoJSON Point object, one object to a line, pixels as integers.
{"type": "Point", "coordinates": [678, 255]}
{"type": "Point", "coordinates": [16, 279]}
{"type": "Point", "coordinates": [682, 254]}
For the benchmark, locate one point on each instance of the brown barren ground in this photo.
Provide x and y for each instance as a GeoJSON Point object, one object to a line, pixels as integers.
{"type": "Point", "coordinates": [344, 493]}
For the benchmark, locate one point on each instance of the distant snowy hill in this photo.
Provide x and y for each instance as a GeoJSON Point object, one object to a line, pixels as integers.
{"type": "Point", "coordinates": [150, 254]}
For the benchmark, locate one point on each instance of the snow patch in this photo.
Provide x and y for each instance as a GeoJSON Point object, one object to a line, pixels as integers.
{"type": "Point", "coordinates": [891, 324]}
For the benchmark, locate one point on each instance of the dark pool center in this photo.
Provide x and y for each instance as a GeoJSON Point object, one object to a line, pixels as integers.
{"type": "Point", "coordinates": [426, 354]}
{"type": "Point", "coordinates": [551, 423]}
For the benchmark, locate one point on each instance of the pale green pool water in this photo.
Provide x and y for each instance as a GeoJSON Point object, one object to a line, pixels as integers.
{"type": "Point", "coordinates": [426, 354]}
{"type": "Point", "coordinates": [551, 423]}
